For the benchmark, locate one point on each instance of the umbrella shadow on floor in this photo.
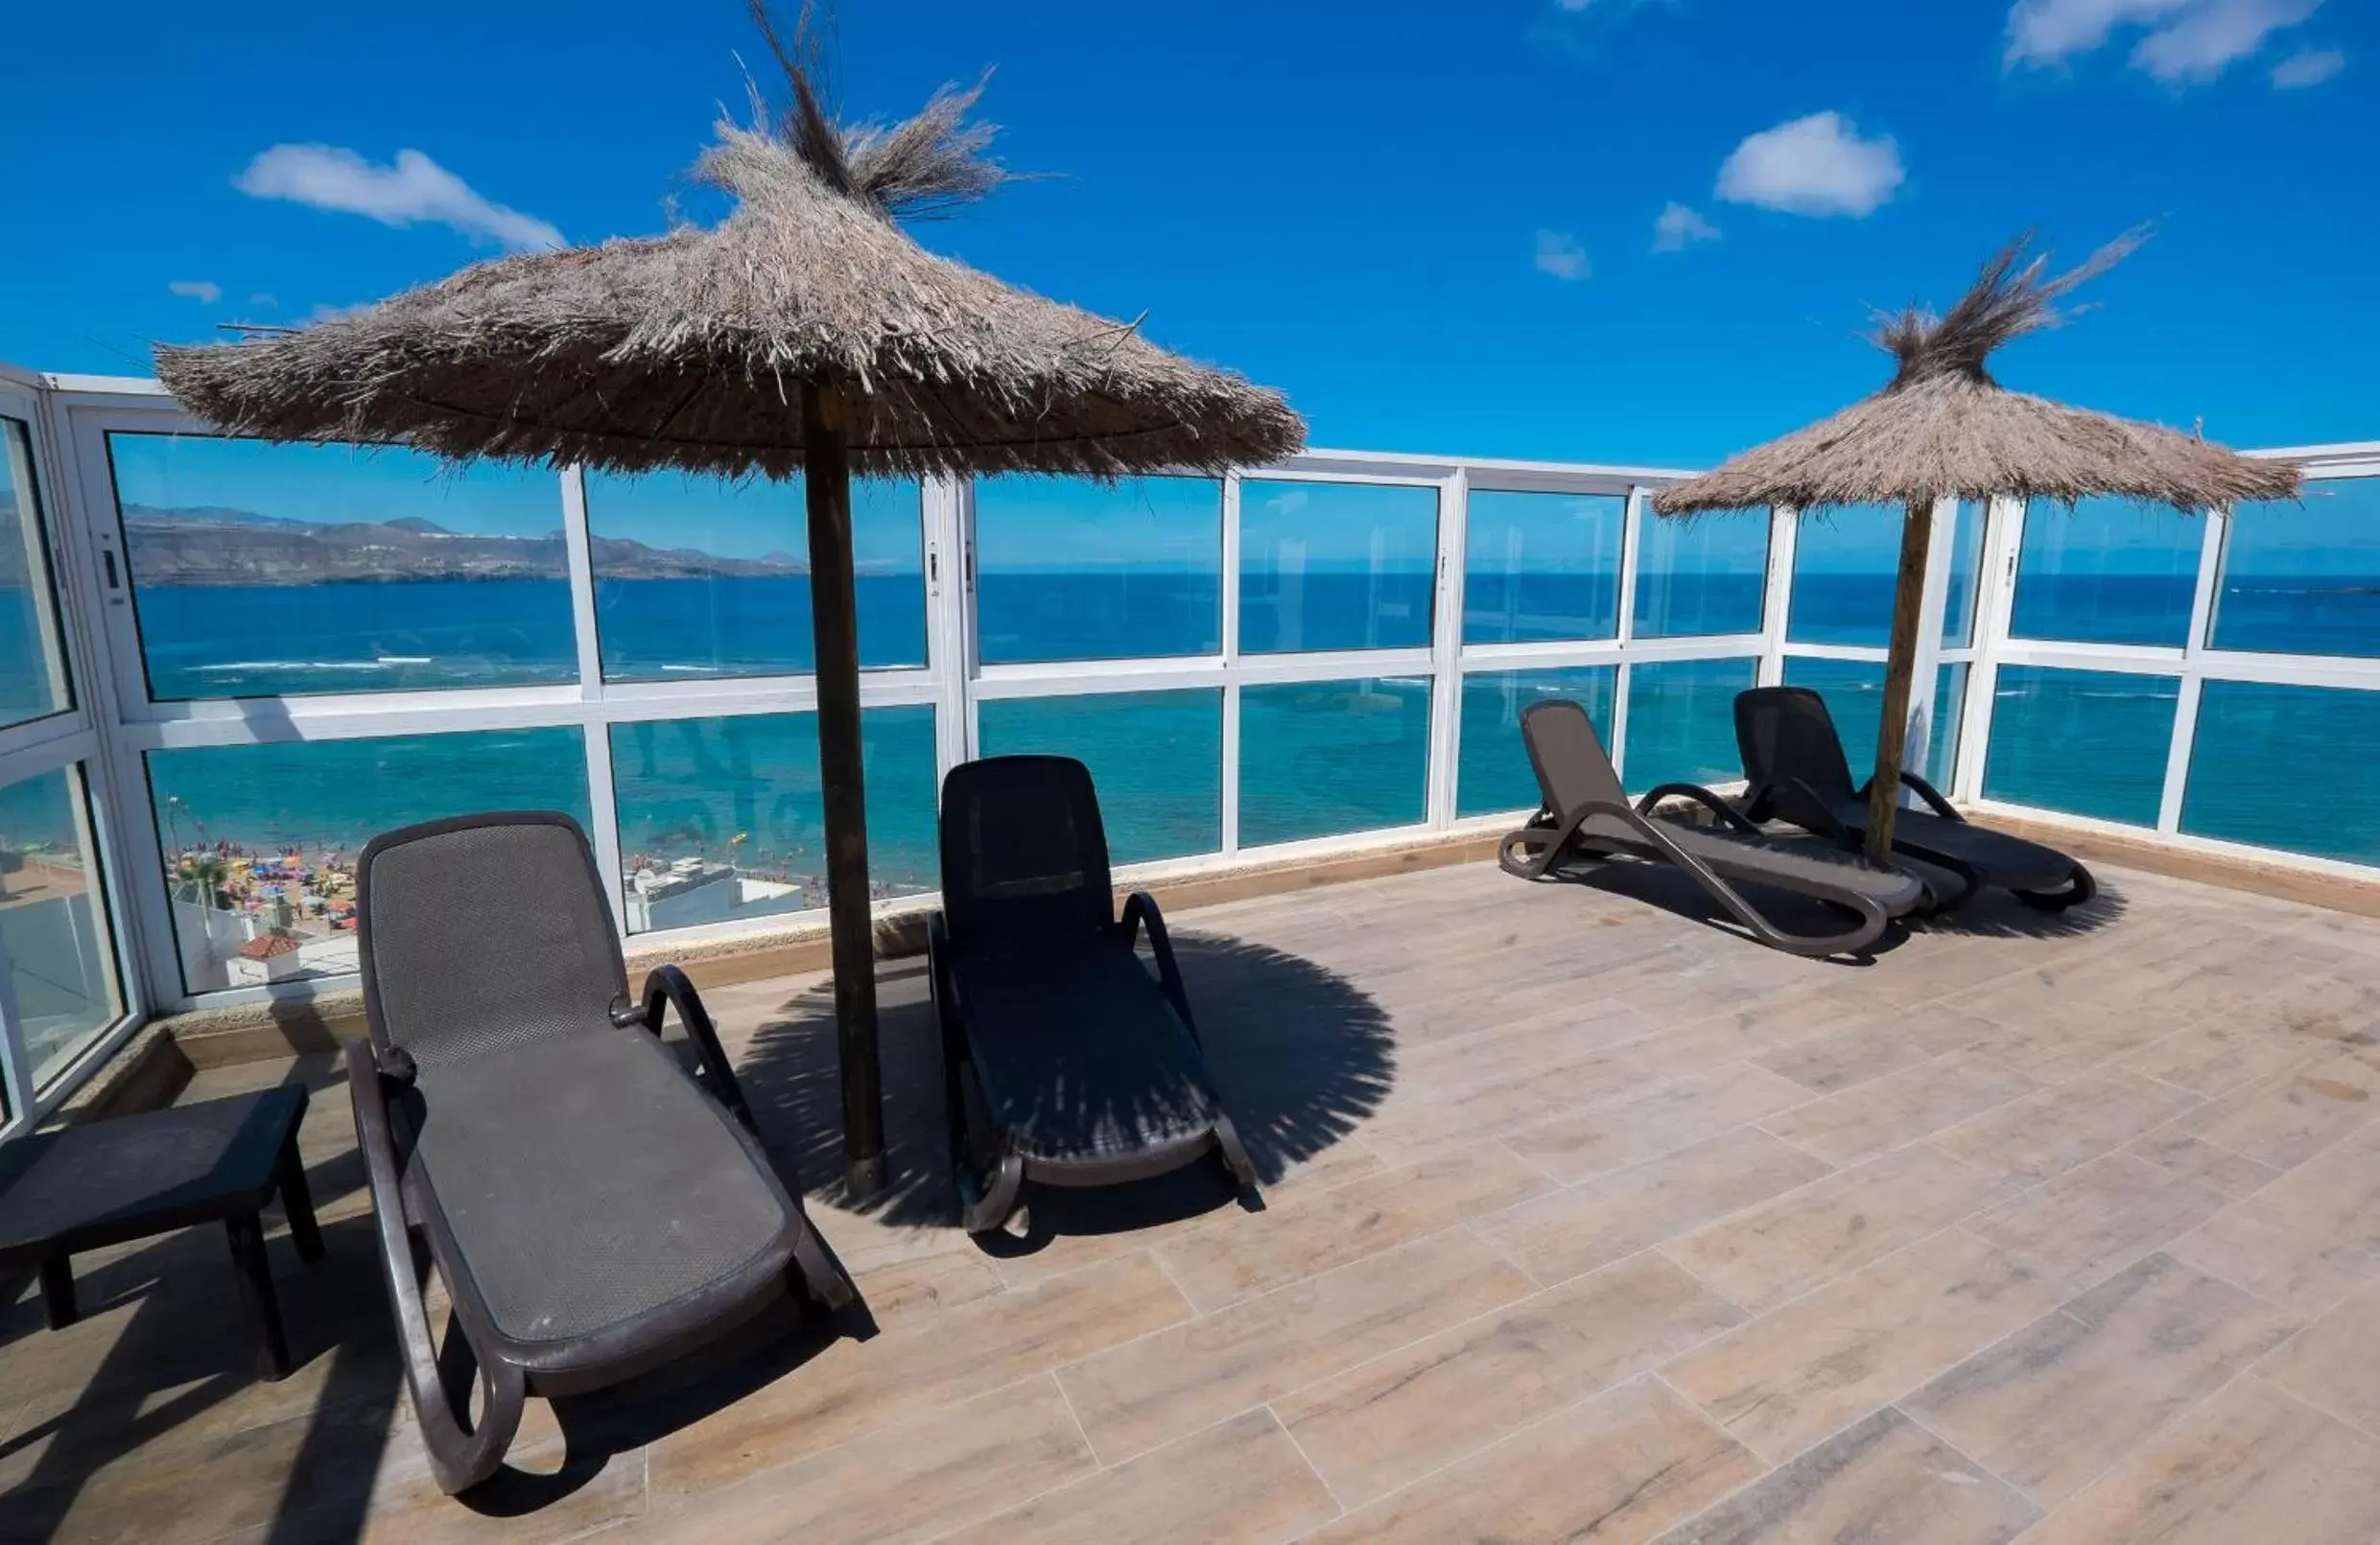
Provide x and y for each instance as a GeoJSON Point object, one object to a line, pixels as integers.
{"type": "Point", "coordinates": [1299, 1054]}
{"type": "Point", "coordinates": [1998, 914]}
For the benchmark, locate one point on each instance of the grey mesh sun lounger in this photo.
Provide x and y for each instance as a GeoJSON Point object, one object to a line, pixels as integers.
{"type": "Point", "coordinates": [1587, 815]}
{"type": "Point", "coordinates": [593, 1212]}
{"type": "Point", "coordinates": [1068, 1063]}
{"type": "Point", "coordinates": [1796, 773]}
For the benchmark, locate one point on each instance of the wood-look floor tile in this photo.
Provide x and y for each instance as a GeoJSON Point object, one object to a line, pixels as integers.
{"type": "Point", "coordinates": [2220, 1055]}
{"type": "Point", "coordinates": [1319, 1230]}
{"type": "Point", "coordinates": [1873, 1046]}
{"type": "Point", "coordinates": [1618, 1468]}
{"type": "Point", "coordinates": [2285, 1120]}
{"type": "Point", "coordinates": [1787, 1247]}
{"type": "Point", "coordinates": [2218, 1169]}
{"type": "Point", "coordinates": [1614, 1216]}
{"type": "Point", "coordinates": [1790, 1377]}
{"type": "Point", "coordinates": [2335, 1362]}
{"type": "Point", "coordinates": [1899, 1109]}
{"type": "Point", "coordinates": [1151, 1390]}
{"type": "Point", "coordinates": [1242, 1480]}
{"type": "Point", "coordinates": [2069, 1394]}
{"type": "Point", "coordinates": [2049, 1132]}
{"type": "Point", "coordinates": [1374, 1427]}
{"type": "Point", "coordinates": [1429, 1121]}
{"type": "Point", "coordinates": [852, 1387]}
{"type": "Point", "coordinates": [1883, 1482]}
{"type": "Point", "coordinates": [2092, 1222]}
{"type": "Point", "coordinates": [2251, 1463]}
{"type": "Point", "coordinates": [2306, 1240]}
{"type": "Point", "coordinates": [1659, 1120]}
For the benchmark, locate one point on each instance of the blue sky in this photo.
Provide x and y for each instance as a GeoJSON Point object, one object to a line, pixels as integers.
{"type": "Point", "coordinates": [1436, 230]}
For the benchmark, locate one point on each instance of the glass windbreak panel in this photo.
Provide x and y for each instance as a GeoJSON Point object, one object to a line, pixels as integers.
{"type": "Point", "coordinates": [261, 841]}
{"type": "Point", "coordinates": [2108, 570]}
{"type": "Point", "coordinates": [1335, 566]}
{"type": "Point", "coordinates": [1701, 574]}
{"type": "Point", "coordinates": [2304, 580]}
{"type": "Point", "coordinates": [1845, 562]}
{"type": "Point", "coordinates": [54, 921]}
{"type": "Point", "coordinates": [2291, 767]}
{"type": "Point", "coordinates": [1541, 565]}
{"type": "Point", "coordinates": [1156, 758]}
{"type": "Point", "coordinates": [1682, 721]}
{"type": "Point", "coordinates": [2088, 743]}
{"type": "Point", "coordinates": [1321, 758]}
{"type": "Point", "coordinates": [1494, 772]}
{"type": "Point", "coordinates": [721, 819]}
{"type": "Point", "coordinates": [1068, 569]}
{"type": "Point", "coordinates": [1967, 538]}
{"type": "Point", "coordinates": [1855, 694]}
{"type": "Point", "coordinates": [278, 570]}
{"type": "Point", "coordinates": [34, 680]}
{"type": "Point", "coordinates": [702, 577]}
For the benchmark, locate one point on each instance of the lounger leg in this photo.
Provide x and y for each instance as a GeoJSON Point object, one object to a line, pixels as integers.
{"type": "Point", "coordinates": [1234, 1154]}
{"type": "Point", "coordinates": [259, 1305]}
{"type": "Point", "coordinates": [825, 1279]}
{"type": "Point", "coordinates": [298, 1204]}
{"type": "Point", "coordinates": [58, 1291]}
{"type": "Point", "coordinates": [983, 1212]}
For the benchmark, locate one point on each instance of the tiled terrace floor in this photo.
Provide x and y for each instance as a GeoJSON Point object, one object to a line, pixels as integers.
{"type": "Point", "coordinates": [1587, 1221]}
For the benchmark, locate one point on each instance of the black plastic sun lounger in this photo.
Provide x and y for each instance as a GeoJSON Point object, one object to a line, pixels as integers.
{"type": "Point", "coordinates": [1796, 772]}
{"type": "Point", "coordinates": [593, 1212]}
{"type": "Point", "coordinates": [1587, 815]}
{"type": "Point", "coordinates": [1067, 1062]}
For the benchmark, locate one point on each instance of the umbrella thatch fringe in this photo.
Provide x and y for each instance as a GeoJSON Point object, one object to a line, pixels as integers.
{"type": "Point", "coordinates": [1943, 427]}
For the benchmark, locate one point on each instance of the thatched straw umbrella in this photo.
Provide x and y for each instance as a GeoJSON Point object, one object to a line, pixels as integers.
{"type": "Point", "coordinates": [806, 333]}
{"type": "Point", "coordinates": [1944, 429]}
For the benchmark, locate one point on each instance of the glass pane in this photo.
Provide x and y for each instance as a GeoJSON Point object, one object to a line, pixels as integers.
{"type": "Point", "coordinates": [260, 841]}
{"type": "Point", "coordinates": [1494, 774]}
{"type": "Point", "coordinates": [34, 680]}
{"type": "Point", "coordinates": [1327, 757]}
{"type": "Point", "coordinates": [1682, 721]}
{"type": "Point", "coordinates": [1335, 566]}
{"type": "Point", "coordinates": [699, 577]}
{"type": "Point", "coordinates": [1855, 694]}
{"type": "Point", "coordinates": [54, 921]}
{"type": "Point", "coordinates": [1845, 562]}
{"type": "Point", "coordinates": [2107, 572]}
{"type": "Point", "coordinates": [2090, 743]}
{"type": "Point", "coordinates": [2290, 767]}
{"type": "Point", "coordinates": [721, 819]}
{"type": "Point", "coordinates": [1157, 758]}
{"type": "Point", "coordinates": [1068, 569]}
{"type": "Point", "coordinates": [2304, 580]}
{"type": "Point", "coordinates": [1958, 614]}
{"type": "Point", "coordinates": [276, 570]}
{"type": "Point", "coordinates": [1541, 565]}
{"type": "Point", "coordinates": [1701, 574]}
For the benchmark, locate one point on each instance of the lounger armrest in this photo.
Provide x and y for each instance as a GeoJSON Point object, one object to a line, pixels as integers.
{"type": "Point", "coordinates": [668, 987]}
{"type": "Point", "coordinates": [1141, 908]}
{"type": "Point", "coordinates": [1729, 815]}
{"type": "Point", "coordinates": [1931, 795]}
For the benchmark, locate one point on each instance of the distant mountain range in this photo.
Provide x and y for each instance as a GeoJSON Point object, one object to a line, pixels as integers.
{"type": "Point", "coordinates": [209, 545]}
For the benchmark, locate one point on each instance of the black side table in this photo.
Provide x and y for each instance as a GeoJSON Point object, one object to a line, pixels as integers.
{"type": "Point", "coordinates": [216, 1161]}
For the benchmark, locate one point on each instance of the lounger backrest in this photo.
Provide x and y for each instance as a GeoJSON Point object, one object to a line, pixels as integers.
{"type": "Point", "coordinates": [1785, 733]}
{"type": "Point", "coordinates": [1023, 854]}
{"type": "Point", "coordinates": [481, 933]}
{"type": "Point", "coordinates": [1573, 768]}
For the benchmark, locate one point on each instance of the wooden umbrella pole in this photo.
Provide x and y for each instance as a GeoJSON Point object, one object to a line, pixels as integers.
{"type": "Point", "coordinates": [1917, 532]}
{"type": "Point", "coordinates": [842, 780]}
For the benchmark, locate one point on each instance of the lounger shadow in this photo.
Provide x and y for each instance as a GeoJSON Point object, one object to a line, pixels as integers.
{"type": "Point", "coordinates": [1065, 1061]}
{"type": "Point", "coordinates": [1796, 773]}
{"type": "Point", "coordinates": [592, 1210]}
{"type": "Point", "coordinates": [1587, 815]}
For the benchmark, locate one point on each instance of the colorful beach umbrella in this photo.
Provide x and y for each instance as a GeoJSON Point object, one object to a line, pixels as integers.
{"type": "Point", "coordinates": [1943, 427]}
{"type": "Point", "coordinates": [806, 333]}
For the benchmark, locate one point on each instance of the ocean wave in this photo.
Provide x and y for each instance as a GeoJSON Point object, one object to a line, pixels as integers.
{"type": "Point", "coordinates": [300, 664]}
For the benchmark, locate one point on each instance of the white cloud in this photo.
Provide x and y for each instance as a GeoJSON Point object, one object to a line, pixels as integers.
{"type": "Point", "coordinates": [204, 292]}
{"type": "Point", "coordinates": [1679, 227]}
{"type": "Point", "coordinates": [1559, 254]}
{"type": "Point", "coordinates": [416, 188]}
{"type": "Point", "coordinates": [2308, 67]}
{"type": "Point", "coordinates": [2183, 40]}
{"type": "Point", "coordinates": [1817, 164]}
{"type": "Point", "coordinates": [262, 299]}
